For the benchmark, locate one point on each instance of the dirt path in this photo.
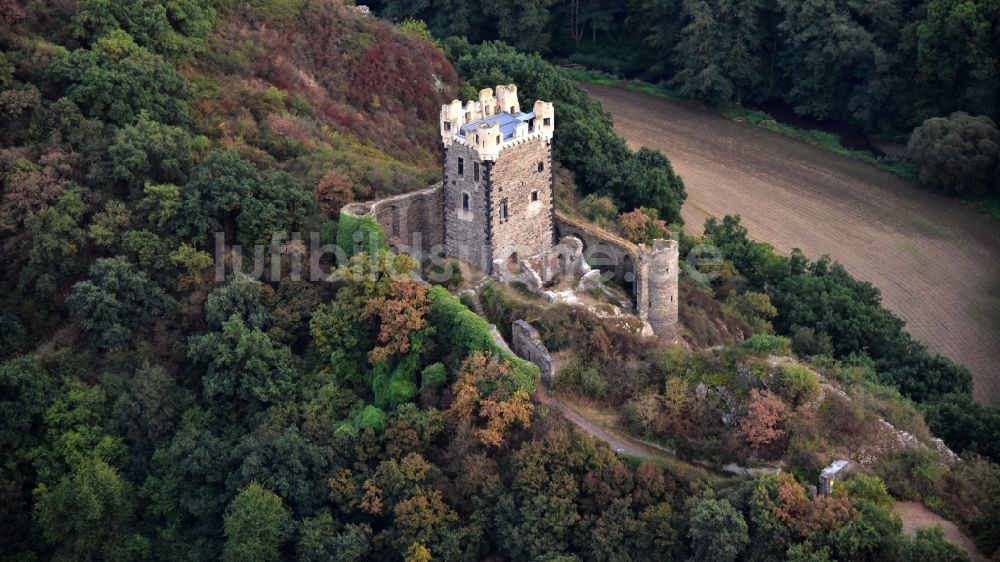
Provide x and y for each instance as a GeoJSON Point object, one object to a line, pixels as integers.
{"type": "Point", "coordinates": [916, 516]}
{"type": "Point", "coordinates": [620, 443]}
{"type": "Point", "coordinates": [934, 259]}
{"type": "Point", "coordinates": [598, 424]}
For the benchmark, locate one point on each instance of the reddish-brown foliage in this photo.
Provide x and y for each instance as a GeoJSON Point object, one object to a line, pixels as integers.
{"type": "Point", "coordinates": [765, 412]}
{"type": "Point", "coordinates": [486, 385]}
{"type": "Point", "coordinates": [339, 61]}
{"type": "Point", "coordinates": [399, 314]}
{"type": "Point", "coordinates": [333, 191]}
{"type": "Point", "coordinates": [805, 517]}
{"type": "Point", "coordinates": [639, 227]}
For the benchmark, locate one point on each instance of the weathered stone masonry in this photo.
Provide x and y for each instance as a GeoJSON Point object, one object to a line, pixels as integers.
{"type": "Point", "coordinates": [495, 206]}
{"type": "Point", "coordinates": [653, 271]}
{"type": "Point", "coordinates": [497, 178]}
{"type": "Point", "coordinates": [413, 222]}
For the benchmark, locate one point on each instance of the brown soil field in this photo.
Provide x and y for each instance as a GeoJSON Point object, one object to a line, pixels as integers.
{"type": "Point", "coordinates": [915, 516]}
{"type": "Point", "coordinates": [934, 259]}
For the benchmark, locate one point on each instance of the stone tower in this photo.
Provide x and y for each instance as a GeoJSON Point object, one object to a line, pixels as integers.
{"type": "Point", "coordinates": [498, 202]}
{"type": "Point", "coordinates": [656, 287]}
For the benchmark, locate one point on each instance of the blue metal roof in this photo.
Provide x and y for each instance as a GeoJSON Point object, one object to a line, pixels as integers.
{"type": "Point", "coordinates": [508, 123]}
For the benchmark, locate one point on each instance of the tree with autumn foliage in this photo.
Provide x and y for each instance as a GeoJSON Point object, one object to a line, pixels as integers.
{"type": "Point", "coordinates": [761, 424]}
{"type": "Point", "coordinates": [487, 390]}
{"type": "Point", "coordinates": [399, 314]}
{"type": "Point", "coordinates": [805, 517]}
{"type": "Point", "coordinates": [333, 191]}
{"type": "Point", "coordinates": [642, 226]}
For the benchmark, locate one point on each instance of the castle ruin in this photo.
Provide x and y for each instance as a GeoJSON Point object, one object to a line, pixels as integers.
{"type": "Point", "coordinates": [495, 210]}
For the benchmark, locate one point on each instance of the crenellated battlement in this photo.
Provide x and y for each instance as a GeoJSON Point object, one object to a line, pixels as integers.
{"type": "Point", "coordinates": [495, 209]}
{"type": "Point", "coordinates": [495, 122]}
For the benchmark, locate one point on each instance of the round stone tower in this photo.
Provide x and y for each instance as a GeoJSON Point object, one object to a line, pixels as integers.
{"type": "Point", "coordinates": [657, 291]}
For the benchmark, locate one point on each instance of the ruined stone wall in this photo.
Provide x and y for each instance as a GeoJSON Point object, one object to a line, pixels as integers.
{"type": "Point", "coordinates": [604, 250]}
{"type": "Point", "coordinates": [527, 344]}
{"type": "Point", "coordinates": [412, 221]}
{"type": "Point", "coordinates": [653, 271]}
{"type": "Point", "coordinates": [514, 178]}
{"type": "Point", "coordinates": [466, 233]}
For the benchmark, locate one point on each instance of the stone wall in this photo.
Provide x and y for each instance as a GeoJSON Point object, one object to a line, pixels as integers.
{"type": "Point", "coordinates": [652, 271]}
{"type": "Point", "coordinates": [516, 181]}
{"type": "Point", "coordinates": [466, 233]}
{"type": "Point", "coordinates": [528, 345]}
{"type": "Point", "coordinates": [611, 254]}
{"type": "Point", "coordinates": [412, 221]}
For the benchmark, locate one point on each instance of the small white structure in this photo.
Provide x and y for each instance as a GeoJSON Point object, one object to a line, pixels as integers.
{"type": "Point", "coordinates": [836, 471]}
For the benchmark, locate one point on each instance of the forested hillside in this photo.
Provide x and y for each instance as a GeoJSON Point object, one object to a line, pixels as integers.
{"type": "Point", "coordinates": [884, 65]}
{"type": "Point", "coordinates": [153, 411]}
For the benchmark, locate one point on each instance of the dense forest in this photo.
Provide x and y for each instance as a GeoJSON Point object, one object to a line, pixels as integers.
{"type": "Point", "coordinates": [153, 411]}
{"type": "Point", "coordinates": [886, 66]}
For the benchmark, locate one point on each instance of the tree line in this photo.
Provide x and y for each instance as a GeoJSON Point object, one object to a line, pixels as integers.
{"type": "Point", "coordinates": [885, 66]}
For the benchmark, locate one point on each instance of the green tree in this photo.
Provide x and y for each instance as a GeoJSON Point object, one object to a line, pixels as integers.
{"type": "Point", "coordinates": [147, 249]}
{"type": "Point", "coordinates": [191, 264]}
{"type": "Point", "coordinates": [86, 515]}
{"type": "Point", "coordinates": [318, 540]}
{"type": "Point", "coordinates": [278, 205]}
{"type": "Point", "coordinates": [959, 153]}
{"type": "Point", "coordinates": [830, 60]}
{"type": "Point", "coordinates": [242, 365]}
{"type": "Point", "coordinates": [255, 526]}
{"type": "Point", "coordinates": [931, 546]}
{"type": "Point", "coordinates": [116, 302]}
{"type": "Point", "coordinates": [149, 408]}
{"type": "Point", "coordinates": [109, 224]}
{"type": "Point", "coordinates": [718, 54]}
{"type": "Point", "coordinates": [166, 26]}
{"type": "Point", "coordinates": [160, 203]}
{"type": "Point", "coordinates": [957, 58]}
{"type": "Point", "coordinates": [242, 296]}
{"type": "Point", "coordinates": [144, 20]}
{"type": "Point", "coordinates": [521, 23]}
{"type": "Point", "coordinates": [116, 80]}
{"type": "Point", "coordinates": [25, 392]}
{"type": "Point", "coordinates": [717, 531]}
{"type": "Point", "coordinates": [286, 463]}
{"type": "Point", "coordinates": [872, 535]}
{"type": "Point", "coordinates": [150, 152]}
{"type": "Point", "coordinates": [965, 424]}
{"type": "Point", "coordinates": [76, 430]}
{"type": "Point", "coordinates": [216, 191]}
{"type": "Point", "coordinates": [55, 238]}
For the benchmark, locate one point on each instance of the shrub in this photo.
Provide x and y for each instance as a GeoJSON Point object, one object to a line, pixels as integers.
{"type": "Point", "coordinates": [359, 234]}
{"type": "Point", "coordinates": [866, 488]}
{"type": "Point", "coordinates": [371, 418]}
{"type": "Point", "coordinates": [642, 226]}
{"type": "Point", "coordinates": [333, 191]}
{"type": "Point", "coordinates": [599, 209]}
{"type": "Point", "coordinates": [958, 153]}
{"type": "Point", "coordinates": [583, 378]}
{"type": "Point", "coordinates": [796, 384]}
{"type": "Point", "coordinates": [463, 331]}
{"type": "Point", "coordinates": [911, 474]}
{"type": "Point", "coordinates": [414, 28]}
{"type": "Point", "coordinates": [805, 342]}
{"type": "Point", "coordinates": [767, 344]}
{"type": "Point", "coordinates": [433, 376]}
{"type": "Point", "coordinates": [117, 80]}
